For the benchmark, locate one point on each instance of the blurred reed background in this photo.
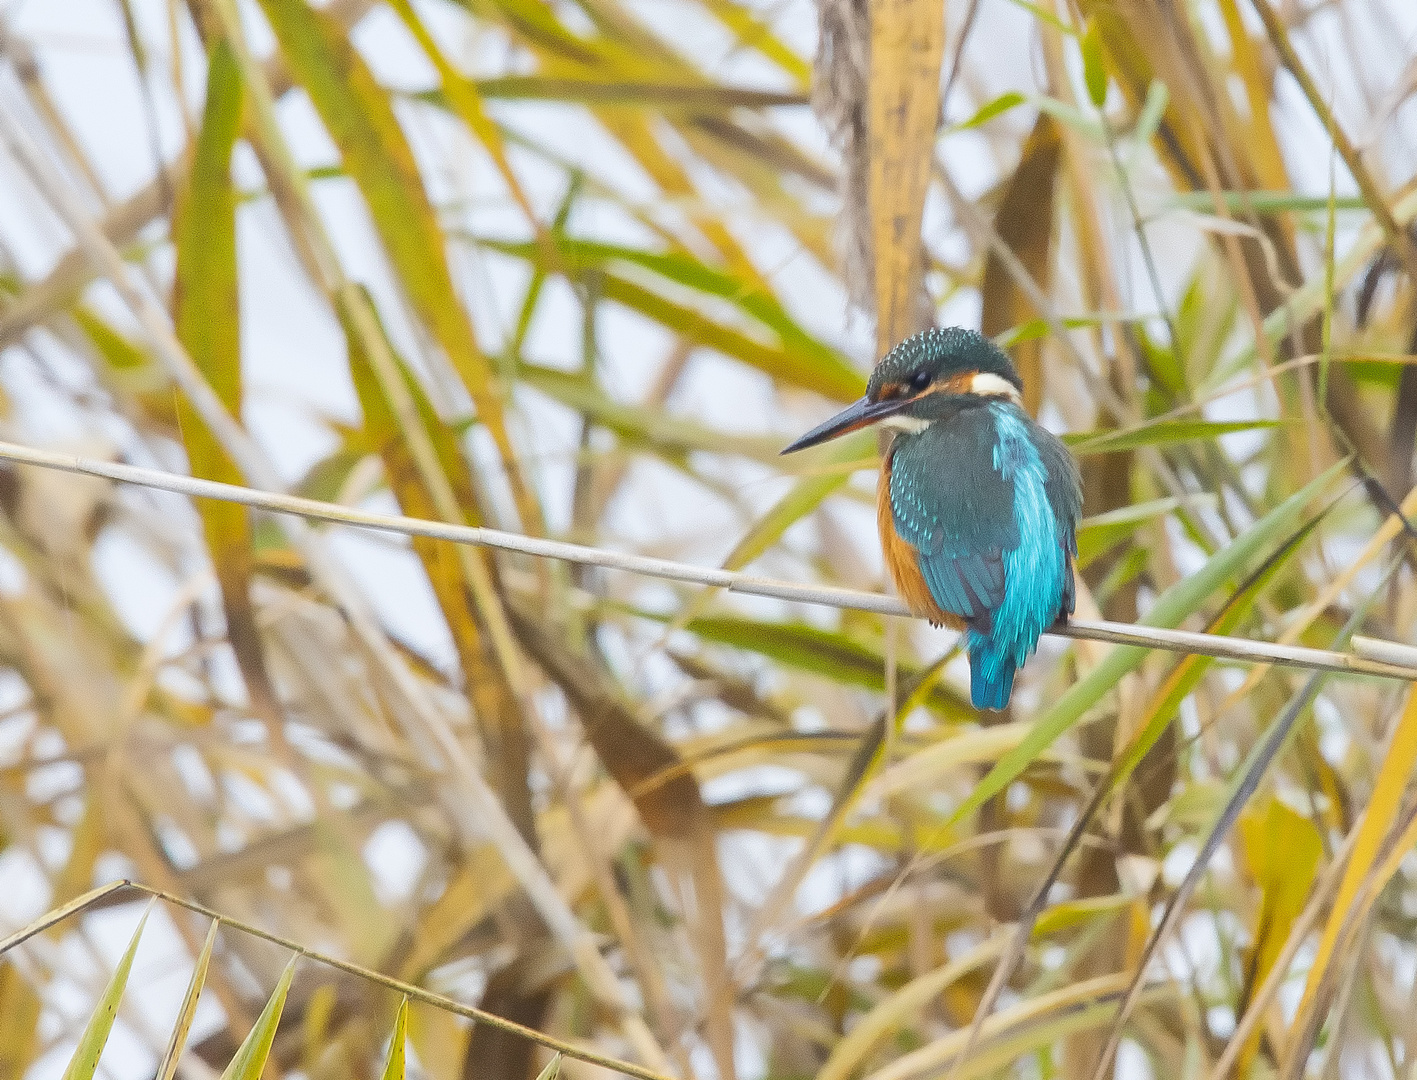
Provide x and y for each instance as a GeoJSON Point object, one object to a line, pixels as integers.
{"type": "Point", "coordinates": [579, 269]}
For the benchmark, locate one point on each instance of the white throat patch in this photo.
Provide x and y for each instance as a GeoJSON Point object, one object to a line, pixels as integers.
{"type": "Point", "coordinates": [911, 425]}
{"type": "Point", "coordinates": [987, 384]}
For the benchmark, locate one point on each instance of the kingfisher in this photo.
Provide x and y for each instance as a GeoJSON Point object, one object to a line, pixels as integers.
{"type": "Point", "coordinates": [977, 504]}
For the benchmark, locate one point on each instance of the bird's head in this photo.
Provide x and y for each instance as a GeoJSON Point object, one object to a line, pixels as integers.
{"type": "Point", "coordinates": [921, 380]}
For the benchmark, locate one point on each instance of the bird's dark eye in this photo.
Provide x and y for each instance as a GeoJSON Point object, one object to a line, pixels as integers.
{"type": "Point", "coordinates": [919, 381]}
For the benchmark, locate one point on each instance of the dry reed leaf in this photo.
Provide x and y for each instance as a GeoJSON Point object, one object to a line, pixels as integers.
{"type": "Point", "coordinates": [696, 211]}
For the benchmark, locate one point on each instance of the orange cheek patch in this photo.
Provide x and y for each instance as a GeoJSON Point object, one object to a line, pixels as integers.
{"type": "Point", "coordinates": [959, 384]}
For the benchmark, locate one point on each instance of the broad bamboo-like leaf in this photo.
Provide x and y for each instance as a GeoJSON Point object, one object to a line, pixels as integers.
{"type": "Point", "coordinates": [1170, 608]}
{"type": "Point", "coordinates": [825, 653]}
{"type": "Point", "coordinates": [1100, 532]}
{"type": "Point", "coordinates": [579, 256]}
{"type": "Point", "coordinates": [1094, 67]}
{"type": "Point", "coordinates": [207, 315]}
{"type": "Point", "coordinates": [1010, 99]}
{"type": "Point", "coordinates": [467, 103]}
{"type": "Point", "coordinates": [794, 356]}
{"type": "Point", "coordinates": [177, 1042]}
{"type": "Point", "coordinates": [359, 115]}
{"type": "Point", "coordinates": [669, 436]}
{"type": "Point", "coordinates": [91, 1043]}
{"type": "Point", "coordinates": [250, 1059]}
{"type": "Point", "coordinates": [661, 95]}
{"type": "Point", "coordinates": [755, 32]}
{"type": "Point", "coordinates": [1282, 849]}
{"type": "Point", "coordinates": [1160, 433]}
{"type": "Point", "coordinates": [1071, 913]}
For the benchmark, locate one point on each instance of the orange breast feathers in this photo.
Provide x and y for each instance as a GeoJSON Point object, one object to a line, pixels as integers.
{"type": "Point", "coordinates": [903, 562]}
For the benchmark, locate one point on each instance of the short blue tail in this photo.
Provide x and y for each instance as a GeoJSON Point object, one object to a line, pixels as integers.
{"type": "Point", "coordinates": [985, 690]}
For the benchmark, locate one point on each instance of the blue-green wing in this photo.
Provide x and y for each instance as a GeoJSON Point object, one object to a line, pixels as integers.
{"type": "Point", "coordinates": [954, 507]}
{"type": "Point", "coordinates": [1064, 488]}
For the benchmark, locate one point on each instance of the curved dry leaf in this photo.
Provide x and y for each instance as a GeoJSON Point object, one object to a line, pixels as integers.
{"type": "Point", "coordinates": [900, 1008]}
{"type": "Point", "coordinates": [1103, 990]}
{"type": "Point", "coordinates": [1024, 222]}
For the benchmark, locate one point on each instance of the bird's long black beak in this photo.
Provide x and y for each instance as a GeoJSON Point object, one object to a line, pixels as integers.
{"type": "Point", "coordinates": [852, 418]}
